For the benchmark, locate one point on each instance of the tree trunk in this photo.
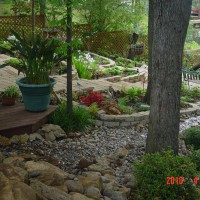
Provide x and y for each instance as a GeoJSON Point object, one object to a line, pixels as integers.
{"type": "Point", "coordinates": [69, 57]}
{"type": "Point", "coordinates": [150, 40]}
{"type": "Point", "coordinates": [171, 20]}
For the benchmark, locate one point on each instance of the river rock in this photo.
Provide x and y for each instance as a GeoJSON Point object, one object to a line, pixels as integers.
{"type": "Point", "coordinates": [95, 181]}
{"type": "Point", "coordinates": [78, 196]}
{"type": "Point", "coordinates": [114, 195]}
{"type": "Point", "coordinates": [74, 186]}
{"type": "Point", "coordinates": [93, 192]}
{"type": "Point", "coordinates": [51, 193]}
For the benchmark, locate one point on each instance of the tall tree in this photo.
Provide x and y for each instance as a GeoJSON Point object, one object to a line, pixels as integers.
{"type": "Point", "coordinates": [170, 22]}
{"type": "Point", "coordinates": [69, 57]}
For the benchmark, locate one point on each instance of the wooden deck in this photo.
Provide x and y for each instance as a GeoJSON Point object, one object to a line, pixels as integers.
{"type": "Point", "coordinates": [15, 120]}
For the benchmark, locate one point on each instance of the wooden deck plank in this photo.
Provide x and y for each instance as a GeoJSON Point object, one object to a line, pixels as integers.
{"type": "Point", "coordinates": [16, 120]}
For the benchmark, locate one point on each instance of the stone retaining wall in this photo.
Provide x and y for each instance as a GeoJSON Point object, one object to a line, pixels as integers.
{"type": "Point", "coordinates": [137, 118]}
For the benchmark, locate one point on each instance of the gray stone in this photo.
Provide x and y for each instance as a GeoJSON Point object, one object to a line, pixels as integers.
{"type": "Point", "coordinates": [111, 124]}
{"type": "Point", "coordinates": [92, 192]}
{"type": "Point", "coordinates": [35, 136]}
{"type": "Point", "coordinates": [114, 195]}
{"type": "Point", "coordinates": [74, 186]}
{"type": "Point", "coordinates": [98, 123]}
{"type": "Point", "coordinates": [78, 196]}
{"type": "Point", "coordinates": [51, 193]}
{"type": "Point", "coordinates": [125, 124]}
{"type": "Point", "coordinates": [50, 136]}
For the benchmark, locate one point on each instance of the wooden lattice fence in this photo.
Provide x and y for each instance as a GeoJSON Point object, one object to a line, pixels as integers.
{"type": "Point", "coordinates": [19, 24]}
{"type": "Point", "coordinates": [117, 41]}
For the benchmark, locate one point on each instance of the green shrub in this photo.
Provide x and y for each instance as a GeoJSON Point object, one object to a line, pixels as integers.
{"type": "Point", "coordinates": [135, 94]}
{"type": "Point", "coordinates": [79, 119]}
{"type": "Point", "coordinates": [113, 71]}
{"type": "Point", "coordinates": [122, 103]}
{"type": "Point", "coordinates": [191, 137]}
{"type": "Point", "coordinates": [151, 175]}
{"type": "Point", "coordinates": [193, 93]}
{"type": "Point", "coordinates": [195, 157]}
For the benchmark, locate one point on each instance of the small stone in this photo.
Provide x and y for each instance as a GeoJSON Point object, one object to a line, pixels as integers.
{"type": "Point", "coordinates": [23, 138]}
{"type": "Point", "coordinates": [74, 186]}
{"type": "Point", "coordinates": [115, 195]}
{"type": "Point", "coordinates": [92, 192]}
{"type": "Point", "coordinates": [83, 163]}
{"type": "Point", "coordinates": [50, 136]}
{"type": "Point", "coordinates": [35, 136]}
{"type": "Point", "coordinates": [78, 196]}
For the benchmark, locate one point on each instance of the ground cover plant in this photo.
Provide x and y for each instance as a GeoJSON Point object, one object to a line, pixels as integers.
{"type": "Point", "coordinates": [190, 94]}
{"type": "Point", "coordinates": [158, 177]}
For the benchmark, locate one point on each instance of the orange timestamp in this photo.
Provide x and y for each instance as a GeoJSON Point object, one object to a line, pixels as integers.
{"type": "Point", "coordinates": [171, 180]}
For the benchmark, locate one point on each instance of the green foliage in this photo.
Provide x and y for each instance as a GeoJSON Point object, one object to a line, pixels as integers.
{"type": "Point", "coordinates": [195, 157]}
{"type": "Point", "coordinates": [139, 107]}
{"type": "Point", "coordinates": [106, 15]}
{"type": "Point", "coordinates": [14, 62]}
{"type": "Point", "coordinates": [11, 91]}
{"type": "Point", "coordinates": [151, 175]}
{"type": "Point", "coordinates": [77, 121]}
{"type": "Point", "coordinates": [82, 69]}
{"type": "Point", "coordinates": [191, 45]}
{"type": "Point", "coordinates": [122, 103]}
{"type": "Point", "coordinates": [191, 137]}
{"type": "Point", "coordinates": [5, 45]}
{"type": "Point", "coordinates": [193, 93]}
{"type": "Point", "coordinates": [93, 108]}
{"type": "Point", "coordinates": [37, 57]}
{"type": "Point", "coordinates": [135, 94]}
{"type": "Point", "coordinates": [113, 71]}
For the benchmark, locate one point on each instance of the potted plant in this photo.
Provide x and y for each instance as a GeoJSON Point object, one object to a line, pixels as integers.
{"type": "Point", "coordinates": [37, 59]}
{"type": "Point", "coordinates": [9, 95]}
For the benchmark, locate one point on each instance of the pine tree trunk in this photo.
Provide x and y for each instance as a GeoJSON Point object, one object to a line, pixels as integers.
{"type": "Point", "coordinates": [171, 20]}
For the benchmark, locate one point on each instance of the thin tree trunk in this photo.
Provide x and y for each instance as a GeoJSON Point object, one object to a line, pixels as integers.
{"type": "Point", "coordinates": [150, 40]}
{"type": "Point", "coordinates": [171, 20]}
{"type": "Point", "coordinates": [33, 18]}
{"type": "Point", "coordinates": [69, 57]}
{"type": "Point", "coordinates": [42, 7]}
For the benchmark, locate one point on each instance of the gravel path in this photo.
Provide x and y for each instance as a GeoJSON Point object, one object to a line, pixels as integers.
{"type": "Point", "coordinates": [94, 143]}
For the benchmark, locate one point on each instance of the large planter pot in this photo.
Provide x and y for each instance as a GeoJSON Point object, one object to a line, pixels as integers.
{"type": "Point", "coordinates": [36, 97]}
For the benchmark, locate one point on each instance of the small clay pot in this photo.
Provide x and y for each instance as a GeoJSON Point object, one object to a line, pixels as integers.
{"type": "Point", "coordinates": [8, 101]}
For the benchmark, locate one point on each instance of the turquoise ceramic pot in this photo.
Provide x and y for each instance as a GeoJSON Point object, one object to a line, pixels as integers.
{"type": "Point", "coordinates": [36, 97]}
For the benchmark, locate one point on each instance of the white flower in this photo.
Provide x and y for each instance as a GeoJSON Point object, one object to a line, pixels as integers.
{"type": "Point", "coordinates": [12, 37]}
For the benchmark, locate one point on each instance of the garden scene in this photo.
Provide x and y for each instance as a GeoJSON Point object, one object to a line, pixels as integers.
{"type": "Point", "coordinates": [99, 100]}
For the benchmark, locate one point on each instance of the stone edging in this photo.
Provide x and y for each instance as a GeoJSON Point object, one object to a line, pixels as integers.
{"type": "Point", "coordinates": [135, 118]}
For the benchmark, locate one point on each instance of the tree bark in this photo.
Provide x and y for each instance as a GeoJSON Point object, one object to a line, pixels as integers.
{"type": "Point", "coordinates": [171, 20]}
{"type": "Point", "coordinates": [150, 41]}
{"type": "Point", "coordinates": [69, 57]}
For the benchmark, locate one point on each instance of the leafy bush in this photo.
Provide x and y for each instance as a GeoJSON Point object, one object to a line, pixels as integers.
{"type": "Point", "coordinates": [92, 97]}
{"type": "Point", "coordinates": [195, 157]}
{"type": "Point", "coordinates": [94, 108]}
{"type": "Point", "coordinates": [122, 103]}
{"type": "Point", "coordinates": [151, 175]}
{"type": "Point", "coordinates": [79, 119]}
{"type": "Point", "coordinates": [135, 94]}
{"type": "Point", "coordinates": [191, 137]}
{"type": "Point", "coordinates": [5, 45]}
{"type": "Point", "coordinates": [193, 93]}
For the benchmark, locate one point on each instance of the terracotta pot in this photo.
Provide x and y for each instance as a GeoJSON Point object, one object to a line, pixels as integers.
{"type": "Point", "coordinates": [8, 101]}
